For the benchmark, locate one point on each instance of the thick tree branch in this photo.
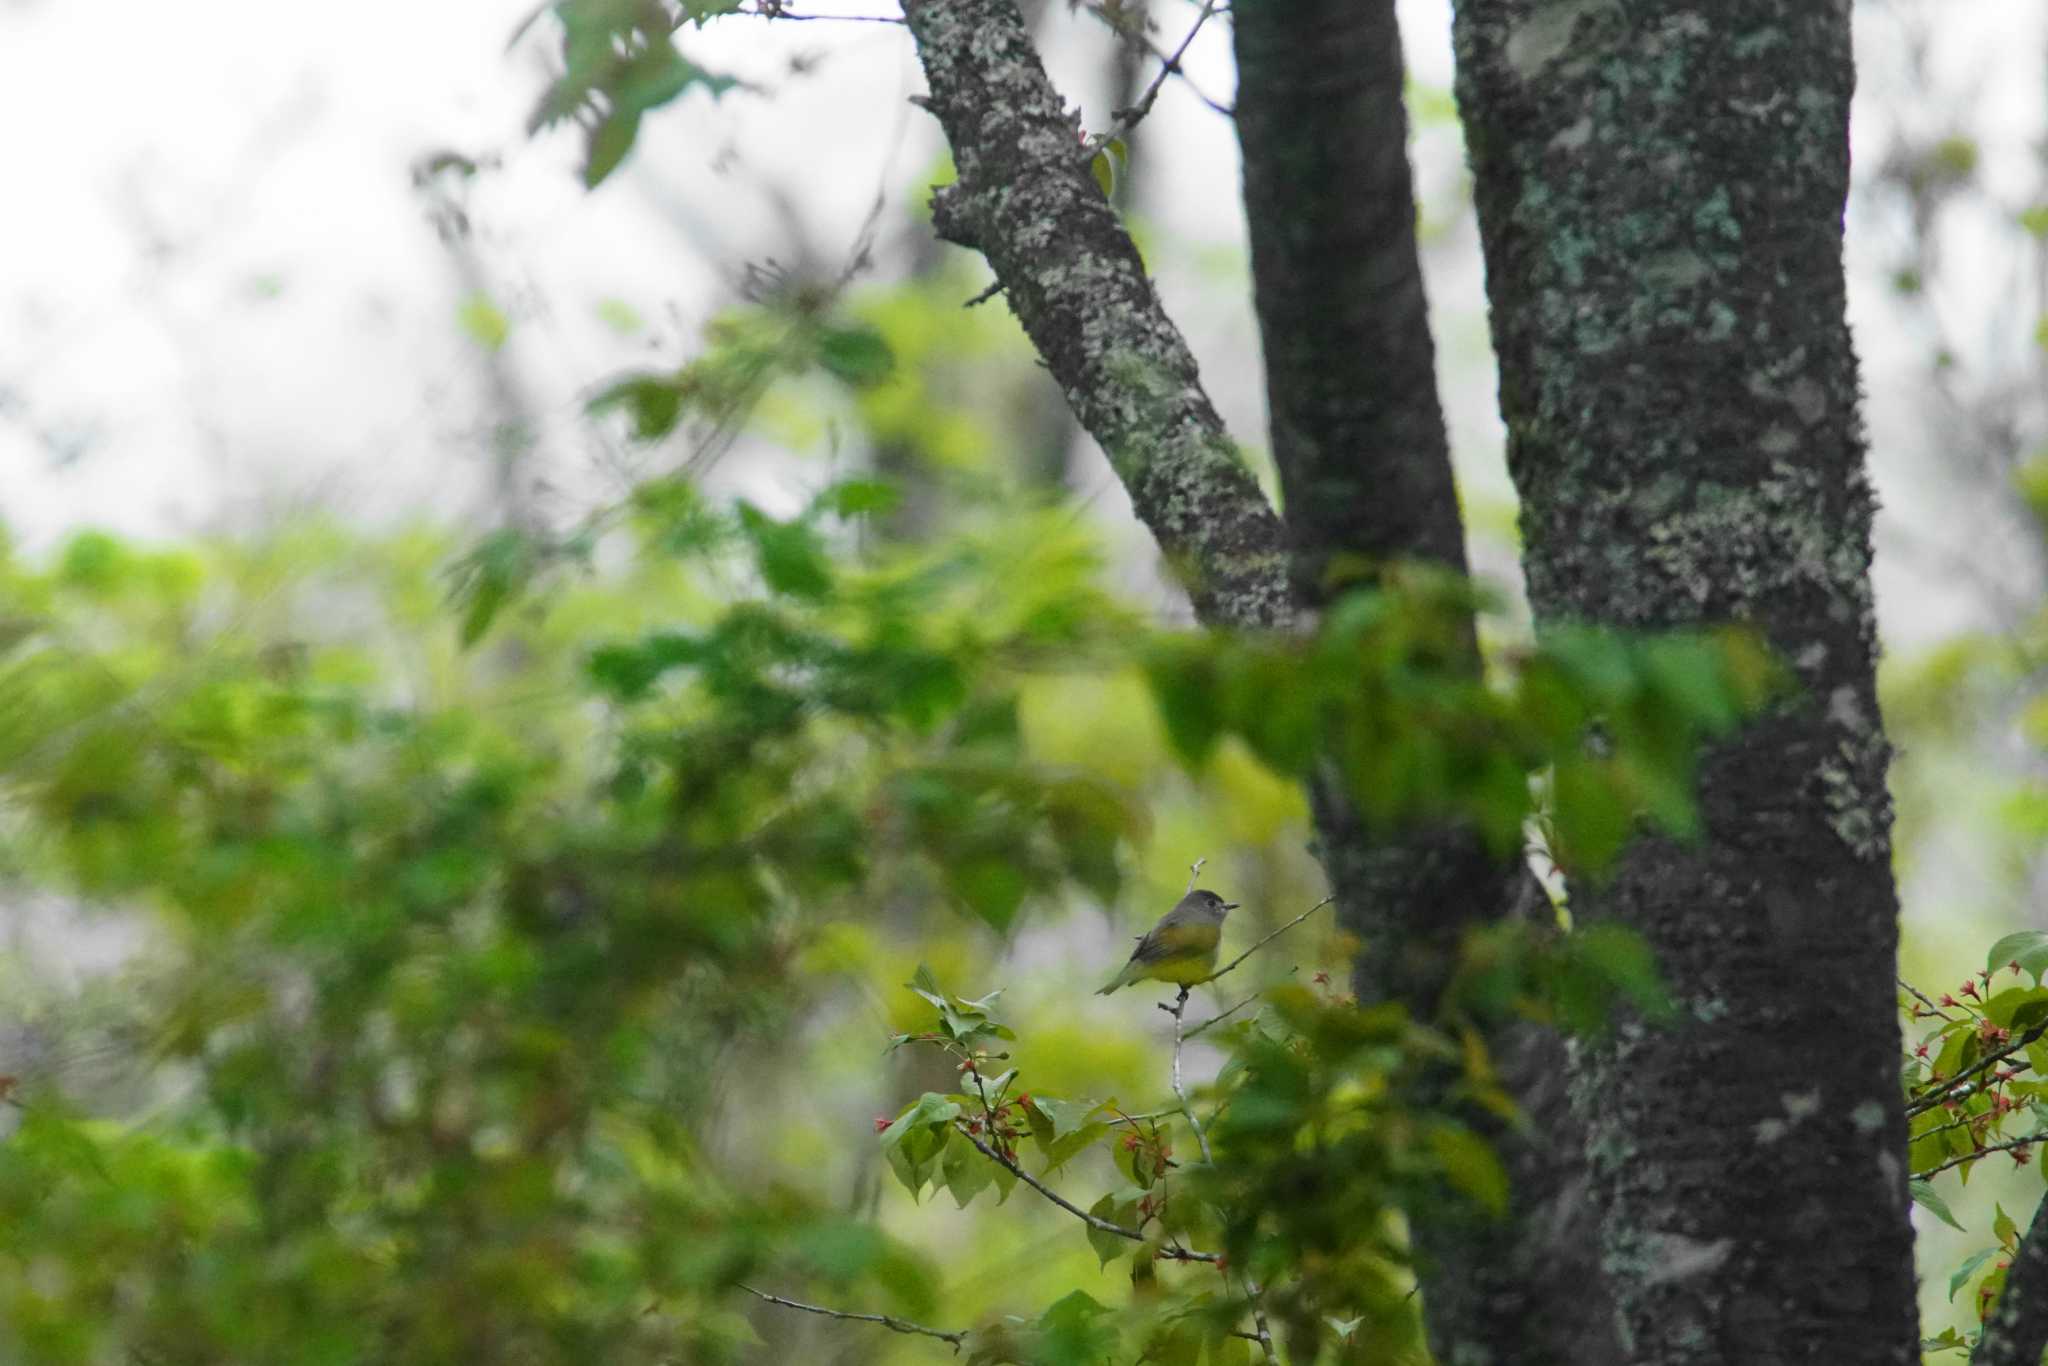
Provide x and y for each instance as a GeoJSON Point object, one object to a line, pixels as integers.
{"type": "Point", "coordinates": [2017, 1331]}
{"type": "Point", "coordinates": [1026, 201]}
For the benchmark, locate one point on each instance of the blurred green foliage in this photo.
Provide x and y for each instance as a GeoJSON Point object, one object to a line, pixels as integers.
{"type": "Point", "coordinates": [516, 916]}
{"type": "Point", "coordinates": [458, 930]}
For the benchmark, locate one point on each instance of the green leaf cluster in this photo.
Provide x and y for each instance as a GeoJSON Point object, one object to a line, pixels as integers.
{"type": "Point", "coordinates": [1390, 689]}
{"type": "Point", "coordinates": [618, 63]}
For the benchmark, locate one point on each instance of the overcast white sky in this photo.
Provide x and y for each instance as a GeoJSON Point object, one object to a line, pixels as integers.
{"type": "Point", "coordinates": [221, 293]}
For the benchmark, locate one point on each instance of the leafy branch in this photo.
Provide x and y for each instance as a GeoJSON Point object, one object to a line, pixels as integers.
{"type": "Point", "coordinates": [1094, 1221]}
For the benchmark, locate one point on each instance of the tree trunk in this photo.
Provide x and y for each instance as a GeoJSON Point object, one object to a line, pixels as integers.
{"type": "Point", "coordinates": [1660, 189]}
{"type": "Point", "coordinates": [1364, 462]}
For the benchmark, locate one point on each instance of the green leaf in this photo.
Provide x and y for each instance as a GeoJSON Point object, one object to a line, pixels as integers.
{"type": "Point", "coordinates": [620, 316]}
{"type": "Point", "coordinates": [993, 888]}
{"type": "Point", "coordinates": [858, 498]}
{"type": "Point", "coordinates": [1471, 1166]}
{"type": "Point", "coordinates": [1183, 679]}
{"type": "Point", "coordinates": [1924, 1196]}
{"type": "Point", "coordinates": [791, 557]}
{"type": "Point", "coordinates": [655, 403]}
{"type": "Point", "coordinates": [1967, 1270]}
{"type": "Point", "coordinates": [965, 1171]}
{"type": "Point", "coordinates": [485, 323]}
{"type": "Point", "coordinates": [930, 1110]}
{"type": "Point", "coordinates": [1108, 1246]}
{"type": "Point", "coordinates": [855, 355]}
{"type": "Point", "coordinates": [490, 577]}
{"type": "Point", "coordinates": [1063, 1149]}
{"type": "Point", "coordinates": [2028, 948]}
{"type": "Point", "coordinates": [2003, 1228]}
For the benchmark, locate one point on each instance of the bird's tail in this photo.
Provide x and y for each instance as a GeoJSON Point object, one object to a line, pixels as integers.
{"type": "Point", "coordinates": [1121, 979]}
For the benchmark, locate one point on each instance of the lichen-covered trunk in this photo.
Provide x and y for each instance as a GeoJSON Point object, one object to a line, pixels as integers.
{"type": "Point", "coordinates": [1660, 189]}
{"type": "Point", "coordinates": [1364, 462]}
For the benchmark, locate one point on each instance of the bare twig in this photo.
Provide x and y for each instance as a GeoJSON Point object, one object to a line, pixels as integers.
{"type": "Point", "coordinates": [888, 1321]}
{"type": "Point", "coordinates": [1268, 939]}
{"type": "Point", "coordinates": [1922, 998]}
{"type": "Point", "coordinates": [1224, 1015]}
{"type": "Point", "coordinates": [1264, 1337]}
{"type": "Point", "coordinates": [777, 9]}
{"type": "Point", "coordinates": [1094, 1221]}
{"type": "Point", "coordinates": [1127, 119]}
{"type": "Point", "coordinates": [1180, 1092]}
{"type": "Point", "coordinates": [1194, 871]}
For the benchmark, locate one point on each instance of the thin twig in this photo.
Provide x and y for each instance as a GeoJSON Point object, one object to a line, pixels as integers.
{"type": "Point", "coordinates": [1177, 1010]}
{"type": "Point", "coordinates": [1268, 939]}
{"type": "Point", "coordinates": [1145, 1118]}
{"type": "Point", "coordinates": [888, 1321]}
{"type": "Point", "coordinates": [1194, 871]}
{"type": "Point", "coordinates": [1984, 1151]}
{"type": "Point", "coordinates": [776, 11]}
{"type": "Point", "coordinates": [1127, 119]}
{"type": "Point", "coordinates": [1093, 1221]}
{"type": "Point", "coordinates": [1922, 998]}
{"type": "Point", "coordinates": [1220, 1018]}
{"type": "Point", "coordinates": [1264, 1337]}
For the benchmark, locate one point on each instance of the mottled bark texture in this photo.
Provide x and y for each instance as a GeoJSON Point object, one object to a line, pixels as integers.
{"type": "Point", "coordinates": [1660, 188]}
{"type": "Point", "coordinates": [2017, 1331]}
{"type": "Point", "coordinates": [1364, 461]}
{"type": "Point", "coordinates": [1026, 201]}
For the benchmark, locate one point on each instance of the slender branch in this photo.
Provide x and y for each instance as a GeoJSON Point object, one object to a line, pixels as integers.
{"type": "Point", "coordinates": [1984, 1151]}
{"type": "Point", "coordinates": [1268, 939]}
{"type": "Point", "coordinates": [1194, 871]}
{"type": "Point", "coordinates": [1177, 1010]}
{"type": "Point", "coordinates": [1178, 1254]}
{"type": "Point", "coordinates": [1144, 1118]}
{"type": "Point", "coordinates": [1946, 1091]}
{"type": "Point", "coordinates": [1127, 119]}
{"type": "Point", "coordinates": [1921, 996]}
{"type": "Point", "coordinates": [778, 9]}
{"type": "Point", "coordinates": [1264, 1337]}
{"type": "Point", "coordinates": [888, 1321]}
{"type": "Point", "coordinates": [1220, 1018]}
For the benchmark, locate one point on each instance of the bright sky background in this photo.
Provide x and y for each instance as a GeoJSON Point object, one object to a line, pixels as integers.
{"type": "Point", "coordinates": [222, 295]}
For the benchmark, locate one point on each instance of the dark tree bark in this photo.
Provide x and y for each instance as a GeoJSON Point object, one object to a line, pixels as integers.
{"type": "Point", "coordinates": [1364, 461]}
{"type": "Point", "coordinates": [2017, 1331]}
{"type": "Point", "coordinates": [1660, 190]}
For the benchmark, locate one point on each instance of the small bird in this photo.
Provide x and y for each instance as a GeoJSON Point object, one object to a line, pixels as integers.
{"type": "Point", "coordinates": [1181, 948]}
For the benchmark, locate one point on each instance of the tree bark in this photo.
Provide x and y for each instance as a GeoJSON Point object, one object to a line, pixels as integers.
{"type": "Point", "coordinates": [2017, 1331]}
{"type": "Point", "coordinates": [1364, 461]}
{"type": "Point", "coordinates": [1026, 201]}
{"type": "Point", "coordinates": [1660, 189]}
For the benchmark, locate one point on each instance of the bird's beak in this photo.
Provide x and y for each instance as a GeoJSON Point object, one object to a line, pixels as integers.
{"type": "Point", "coordinates": [1230, 905]}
